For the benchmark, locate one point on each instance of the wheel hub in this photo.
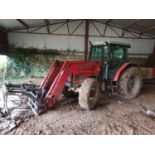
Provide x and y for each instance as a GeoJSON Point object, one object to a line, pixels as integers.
{"type": "Point", "coordinates": [131, 83]}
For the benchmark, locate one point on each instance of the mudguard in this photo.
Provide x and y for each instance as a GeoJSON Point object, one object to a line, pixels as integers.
{"type": "Point", "coordinates": [122, 68]}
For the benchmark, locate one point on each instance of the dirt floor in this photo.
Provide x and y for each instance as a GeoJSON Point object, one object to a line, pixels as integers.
{"type": "Point", "coordinates": [111, 116]}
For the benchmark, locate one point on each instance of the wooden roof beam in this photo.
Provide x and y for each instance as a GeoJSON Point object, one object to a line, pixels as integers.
{"type": "Point", "coordinates": [132, 22]}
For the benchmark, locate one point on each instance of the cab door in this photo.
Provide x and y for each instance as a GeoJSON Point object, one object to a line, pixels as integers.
{"type": "Point", "coordinates": [101, 53]}
{"type": "Point", "coordinates": [117, 58]}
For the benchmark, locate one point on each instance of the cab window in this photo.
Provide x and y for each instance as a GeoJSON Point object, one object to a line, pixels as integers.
{"type": "Point", "coordinates": [118, 52]}
{"type": "Point", "coordinates": [96, 53]}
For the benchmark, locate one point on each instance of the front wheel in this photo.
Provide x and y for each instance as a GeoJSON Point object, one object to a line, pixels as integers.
{"type": "Point", "coordinates": [130, 83]}
{"type": "Point", "coordinates": [89, 93]}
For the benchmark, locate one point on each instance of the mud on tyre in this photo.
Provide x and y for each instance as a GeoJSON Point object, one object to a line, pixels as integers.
{"type": "Point", "coordinates": [130, 83]}
{"type": "Point", "coordinates": [89, 93]}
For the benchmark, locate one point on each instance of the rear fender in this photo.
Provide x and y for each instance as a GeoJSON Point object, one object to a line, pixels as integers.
{"type": "Point", "coordinates": [122, 68]}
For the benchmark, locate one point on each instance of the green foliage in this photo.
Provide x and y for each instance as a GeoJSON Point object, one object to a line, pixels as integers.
{"type": "Point", "coordinates": [3, 65]}
{"type": "Point", "coordinates": [31, 62]}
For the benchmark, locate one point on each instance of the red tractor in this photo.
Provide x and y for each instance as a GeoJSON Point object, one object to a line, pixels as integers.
{"type": "Point", "coordinates": [107, 68]}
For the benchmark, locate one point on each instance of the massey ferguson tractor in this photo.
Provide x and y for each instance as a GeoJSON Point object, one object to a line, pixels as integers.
{"type": "Point", "coordinates": [107, 68]}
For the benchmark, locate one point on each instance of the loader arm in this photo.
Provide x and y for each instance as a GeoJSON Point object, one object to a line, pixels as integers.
{"type": "Point", "coordinates": [58, 74]}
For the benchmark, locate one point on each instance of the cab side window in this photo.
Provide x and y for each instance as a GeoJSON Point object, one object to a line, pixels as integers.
{"type": "Point", "coordinates": [118, 52]}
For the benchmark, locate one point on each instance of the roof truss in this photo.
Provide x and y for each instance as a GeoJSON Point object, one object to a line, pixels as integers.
{"type": "Point", "coordinates": [23, 23]}
{"type": "Point", "coordinates": [47, 23]}
{"type": "Point", "coordinates": [107, 23]}
{"type": "Point", "coordinates": [132, 22]}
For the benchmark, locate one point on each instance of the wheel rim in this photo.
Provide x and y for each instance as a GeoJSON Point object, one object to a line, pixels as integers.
{"type": "Point", "coordinates": [132, 83]}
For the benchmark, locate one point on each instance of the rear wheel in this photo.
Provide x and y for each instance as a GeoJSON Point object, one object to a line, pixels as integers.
{"type": "Point", "coordinates": [88, 93]}
{"type": "Point", "coordinates": [130, 83]}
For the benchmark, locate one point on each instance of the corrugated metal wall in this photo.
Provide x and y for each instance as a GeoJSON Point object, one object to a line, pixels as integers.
{"type": "Point", "coordinates": [76, 42]}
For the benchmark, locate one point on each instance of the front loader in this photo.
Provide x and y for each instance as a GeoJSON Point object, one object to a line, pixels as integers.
{"type": "Point", "coordinates": [107, 68]}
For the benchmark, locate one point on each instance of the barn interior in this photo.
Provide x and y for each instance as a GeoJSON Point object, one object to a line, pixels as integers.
{"type": "Point", "coordinates": [29, 47]}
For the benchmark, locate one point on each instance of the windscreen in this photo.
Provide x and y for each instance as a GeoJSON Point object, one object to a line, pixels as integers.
{"type": "Point", "coordinates": [99, 53]}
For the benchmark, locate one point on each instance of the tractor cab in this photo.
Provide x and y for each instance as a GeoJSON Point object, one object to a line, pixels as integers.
{"type": "Point", "coordinates": [112, 55]}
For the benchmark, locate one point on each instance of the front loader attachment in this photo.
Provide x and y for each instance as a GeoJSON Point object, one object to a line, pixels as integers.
{"type": "Point", "coordinates": [43, 97]}
{"type": "Point", "coordinates": [31, 91]}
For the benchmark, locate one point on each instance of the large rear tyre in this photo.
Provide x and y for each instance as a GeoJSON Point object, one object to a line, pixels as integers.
{"type": "Point", "coordinates": [89, 93]}
{"type": "Point", "coordinates": [130, 83]}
